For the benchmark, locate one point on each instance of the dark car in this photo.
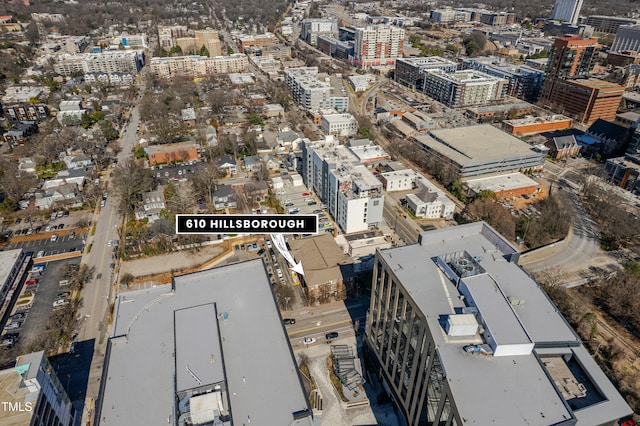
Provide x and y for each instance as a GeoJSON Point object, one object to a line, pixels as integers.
{"type": "Point", "coordinates": [13, 336]}
{"type": "Point", "coordinates": [260, 252]}
{"type": "Point", "coordinates": [61, 226]}
{"type": "Point", "coordinates": [18, 220]}
{"type": "Point", "coordinates": [288, 321]}
{"type": "Point", "coordinates": [18, 316]}
{"type": "Point", "coordinates": [331, 335]}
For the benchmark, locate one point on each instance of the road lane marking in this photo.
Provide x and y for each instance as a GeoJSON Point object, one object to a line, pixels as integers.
{"type": "Point", "coordinates": [315, 328]}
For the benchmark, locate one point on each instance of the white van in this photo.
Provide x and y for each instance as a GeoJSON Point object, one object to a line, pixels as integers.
{"type": "Point", "coordinates": [64, 283]}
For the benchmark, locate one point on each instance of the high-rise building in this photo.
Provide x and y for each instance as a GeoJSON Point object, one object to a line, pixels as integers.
{"type": "Point", "coordinates": [312, 93]}
{"type": "Point", "coordinates": [585, 100]}
{"type": "Point", "coordinates": [567, 10]}
{"type": "Point", "coordinates": [378, 45]}
{"type": "Point", "coordinates": [460, 335]}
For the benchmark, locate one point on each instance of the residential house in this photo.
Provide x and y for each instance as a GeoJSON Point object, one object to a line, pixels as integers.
{"type": "Point", "coordinates": [26, 164]}
{"type": "Point", "coordinates": [224, 197]}
{"type": "Point", "coordinates": [227, 164]}
{"type": "Point", "coordinates": [211, 135]}
{"type": "Point", "coordinates": [152, 203]}
{"type": "Point", "coordinates": [563, 146]}
{"type": "Point", "coordinates": [79, 161]}
{"type": "Point", "coordinates": [69, 176]}
{"type": "Point", "coordinates": [252, 163]}
{"type": "Point", "coordinates": [288, 139]}
{"type": "Point", "coordinates": [63, 194]}
{"type": "Point", "coordinates": [20, 132]}
{"type": "Point", "coordinates": [256, 192]}
{"type": "Point", "coordinates": [70, 112]}
{"type": "Point", "coordinates": [189, 117]}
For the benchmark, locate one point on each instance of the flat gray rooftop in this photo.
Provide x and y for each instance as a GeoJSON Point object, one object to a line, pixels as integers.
{"type": "Point", "coordinates": [8, 260]}
{"type": "Point", "coordinates": [500, 390]}
{"type": "Point", "coordinates": [251, 350]}
{"type": "Point", "coordinates": [476, 144]}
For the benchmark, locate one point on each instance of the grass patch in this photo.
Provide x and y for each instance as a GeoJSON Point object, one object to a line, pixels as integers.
{"type": "Point", "coordinates": [93, 230]}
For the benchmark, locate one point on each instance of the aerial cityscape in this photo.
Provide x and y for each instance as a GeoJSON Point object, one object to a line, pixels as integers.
{"type": "Point", "coordinates": [301, 212]}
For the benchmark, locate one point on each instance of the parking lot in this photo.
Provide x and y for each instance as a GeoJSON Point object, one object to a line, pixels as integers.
{"type": "Point", "coordinates": [164, 173]}
{"type": "Point", "coordinates": [45, 244]}
{"type": "Point", "coordinates": [46, 290]}
{"type": "Point", "coordinates": [299, 200]}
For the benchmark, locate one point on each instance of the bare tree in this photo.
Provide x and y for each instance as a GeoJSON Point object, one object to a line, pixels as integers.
{"type": "Point", "coordinates": [131, 180]}
{"type": "Point", "coordinates": [205, 181]}
{"type": "Point", "coordinates": [14, 182]}
{"type": "Point", "coordinates": [180, 197]}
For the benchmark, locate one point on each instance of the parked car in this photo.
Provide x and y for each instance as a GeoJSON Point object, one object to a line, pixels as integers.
{"type": "Point", "coordinates": [63, 294]}
{"type": "Point", "coordinates": [32, 281]}
{"type": "Point", "coordinates": [40, 253]}
{"type": "Point", "coordinates": [109, 243]}
{"type": "Point", "coordinates": [18, 316]}
{"type": "Point", "coordinates": [308, 340]}
{"type": "Point", "coordinates": [54, 238]}
{"type": "Point", "coordinates": [13, 325]}
{"type": "Point", "coordinates": [331, 335]}
{"type": "Point", "coordinates": [60, 302]}
{"type": "Point", "coordinates": [288, 321]}
{"type": "Point", "coordinates": [261, 252]}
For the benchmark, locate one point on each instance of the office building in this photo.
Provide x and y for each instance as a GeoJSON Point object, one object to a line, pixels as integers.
{"type": "Point", "coordinates": [586, 100]}
{"type": "Point", "coordinates": [32, 394]}
{"type": "Point", "coordinates": [410, 71]}
{"type": "Point", "coordinates": [335, 48]}
{"type": "Point", "coordinates": [314, 27]}
{"type": "Point", "coordinates": [492, 150]}
{"type": "Point", "coordinates": [567, 88]}
{"type": "Point", "coordinates": [497, 18]}
{"type": "Point", "coordinates": [625, 172]}
{"type": "Point", "coordinates": [460, 335]}
{"type": "Point", "coordinates": [627, 39]}
{"type": "Point", "coordinates": [328, 272]}
{"type": "Point", "coordinates": [313, 91]}
{"type": "Point", "coordinates": [609, 24]}
{"type": "Point", "coordinates": [377, 45]}
{"type": "Point", "coordinates": [122, 61]}
{"type": "Point", "coordinates": [567, 11]}
{"type": "Point", "coordinates": [448, 16]}
{"type": "Point", "coordinates": [464, 88]}
{"type": "Point", "coordinates": [208, 349]}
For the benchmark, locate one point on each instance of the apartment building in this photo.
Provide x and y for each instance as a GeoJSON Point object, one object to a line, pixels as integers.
{"type": "Point", "coordinates": [167, 35]}
{"type": "Point", "coordinates": [314, 27]}
{"type": "Point", "coordinates": [352, 193]}
{"type": "Point", "coordinates": [410, 71]}
{"type": "Point", "coordinates": [256, 41]}
{"type": "Point", "coordinates": [524, 82]}
{"type": "Point", "coordinates": [461, 335]}
{"type": "Point", "coordinates": [126, 61]}
{"type": "Point", "coordinates": [193, 66]}
{"type": "Point", "coordinates": [377, 45]}
{"type": "Point", "coordinates": [312, 93]}
{"type": "Point", "coordinates": [202, 38]}
{"type": "Point", "coordinates": [448, 16]}
{"type": "Point", "coordinates": [339, 124]}
{"type": "Point", "coordinates": [464, 88]}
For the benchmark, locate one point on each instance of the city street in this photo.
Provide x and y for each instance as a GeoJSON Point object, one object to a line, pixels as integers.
{"type": "Point", "coordinates": [96, 295]}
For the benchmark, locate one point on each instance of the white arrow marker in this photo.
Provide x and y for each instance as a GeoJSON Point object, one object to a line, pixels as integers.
{"type": "Point", "coordinates": [281, 246]}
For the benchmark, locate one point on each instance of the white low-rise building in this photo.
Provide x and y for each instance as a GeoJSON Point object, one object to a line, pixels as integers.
{"type": "Point", "coordinates": [339, 124]}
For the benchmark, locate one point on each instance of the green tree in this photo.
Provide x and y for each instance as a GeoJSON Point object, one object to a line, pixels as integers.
{"type": "Point", "coordinates": [203, 51]}
{"type": "Point", "coordinates": [139, 152]}
{"type": "Point", "coordinates": [256, 120]}
{"type": "Point", "coordinates": [175, 51]}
